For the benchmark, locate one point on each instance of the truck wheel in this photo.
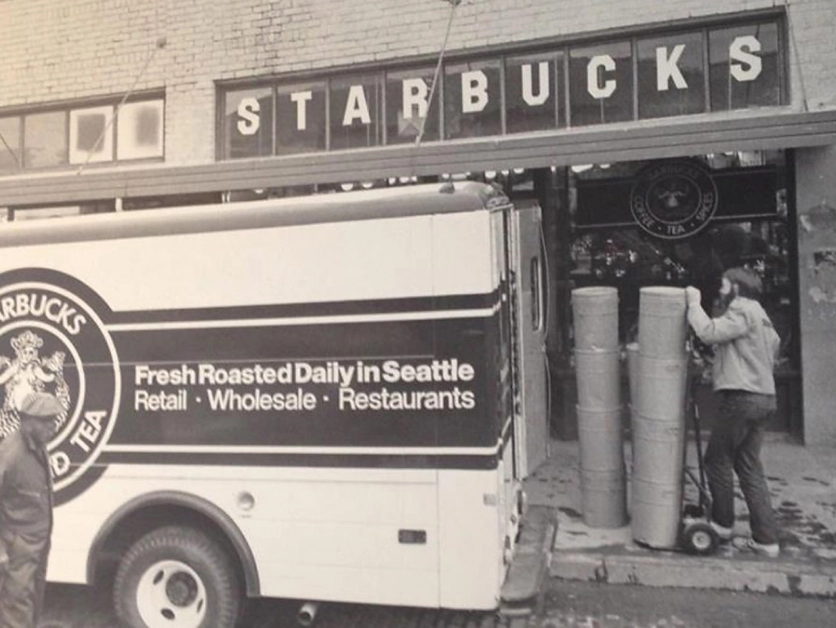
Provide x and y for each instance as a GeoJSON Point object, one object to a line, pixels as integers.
{"type": "Point", "coordinates": [179, 577]}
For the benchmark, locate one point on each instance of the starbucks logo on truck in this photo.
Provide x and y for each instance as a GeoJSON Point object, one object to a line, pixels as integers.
{"type": "Point", "coordinates": [51, 340]}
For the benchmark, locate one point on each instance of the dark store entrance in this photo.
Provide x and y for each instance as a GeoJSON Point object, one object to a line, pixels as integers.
{"type": "Point", "coordinates": [668, 222]}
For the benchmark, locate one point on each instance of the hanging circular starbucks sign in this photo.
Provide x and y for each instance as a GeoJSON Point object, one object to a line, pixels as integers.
{"type": "Point", "coordinates": [673, 199]}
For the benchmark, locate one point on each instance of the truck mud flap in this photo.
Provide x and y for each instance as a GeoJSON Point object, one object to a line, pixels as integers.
{"type": "Point", "coordinates": [532, 555]}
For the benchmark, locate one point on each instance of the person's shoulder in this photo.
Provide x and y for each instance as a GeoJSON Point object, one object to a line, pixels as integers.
{"type": "Point", "coordinates": [739, 306]}
{"type": "Point", "coordinates": [10, 447]}
{"type": "Point", "coordinates": [751, 309]}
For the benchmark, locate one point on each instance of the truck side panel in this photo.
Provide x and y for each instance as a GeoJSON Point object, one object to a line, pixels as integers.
{"type": "Point", "coordinates": [332, 382]}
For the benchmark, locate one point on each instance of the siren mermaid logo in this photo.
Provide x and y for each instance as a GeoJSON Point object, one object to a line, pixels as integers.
{"type": "Point", "coordinates": [52, 340]}
{"type": "Point", "coordinates": [28, 373]}
{"type": "Point", "coordinates": [674, 199]}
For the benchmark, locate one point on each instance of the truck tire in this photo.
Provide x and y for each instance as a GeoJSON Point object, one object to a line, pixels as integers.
{"type": "Point", "coordinates": [176, 576]}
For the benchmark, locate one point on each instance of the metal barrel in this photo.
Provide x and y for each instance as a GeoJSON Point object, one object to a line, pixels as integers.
{"type": "Point", "coordinates": [595, 317]}
{"type": "Point", "coordinates": [600, 439]}
{"type": "Point", "coordinates": [662, 323]}
{"type": "Point", "coordinates": [659, 389]}
{"type": "Point", "coordinates": [658, 418]}
{"type": "Point", "coordinates": [658, 449]}
{"type": "Point", "coordinates": [604, 496]}
{"type": "Point", "coordinates": [655, 512]}
{"type": "Point", "coordinates": [658, 441]}
{"type": "Point", "coordinates": [598, 378]}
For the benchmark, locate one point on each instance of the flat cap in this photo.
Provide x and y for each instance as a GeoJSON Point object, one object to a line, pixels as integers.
{"type": "Point", "coordinates": [40, 404]}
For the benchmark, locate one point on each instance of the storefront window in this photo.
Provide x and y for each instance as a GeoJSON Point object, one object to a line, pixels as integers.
{"type": "Point", "coordinates": [472, 99]}
{"type": "Point", "coordinates": [248, 123]}
{"type": "Point", "coordinates": [9, 144]}
{"type": "Point", "coordinates": [610, 248]}
{"type": "Point", "coordinates": [601, 84]}
{"type": "Point", "coordinates": [45, 139]}
{"type": "Point", "coordinates": [355, 111]}
{"type": "Point", "coordinates": [671, 75]}
{"type": "Point", "coordinates": [533, 101]}
{"type": "Point", "coordinates": [407, 109]}
{"type": "Point", "coordinates": [745, 67]}
{"type": "Point", "coordinates": [300, 118]}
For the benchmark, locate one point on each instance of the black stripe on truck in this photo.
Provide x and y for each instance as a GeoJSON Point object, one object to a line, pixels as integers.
{"type": "Point", "coordinates": [403, 383]}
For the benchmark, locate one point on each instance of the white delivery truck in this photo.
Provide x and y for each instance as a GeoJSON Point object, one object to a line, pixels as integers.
{"type": "Point", "coordinates": [331, 397]}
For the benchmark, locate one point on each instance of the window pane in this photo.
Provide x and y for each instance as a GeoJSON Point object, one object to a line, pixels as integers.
{"type": "Point", "coordinates": [91, 135]}
{"type": "Point", "coordinates": [601, 84]}
{"type": "Point", "coordinates": [45, 139]}
{"type": "Point", "coordinates": [248, 123]}
{"type": "Point", "coordinates": [355, 112]}
{"type": "Point", "coordinates": [531, 94]}
{"type": "Point", "coordinates": [300, 118]}
{"type": "Point", "coordinates": [671, 76]}
{"type": "Point", "coordinates": [9, 144]}
{"type": "Point", "coordinates": [472, 100]}
{"type": "Point", "coordinates": [140, 130]}
{"type": "Point", "coordinates": [413, 88]}
{"type": "Point", "coordinates": [744, 67]}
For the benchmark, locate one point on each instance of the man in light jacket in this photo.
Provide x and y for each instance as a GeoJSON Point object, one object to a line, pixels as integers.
{"type": "Point", "coordinates": [745, 351]}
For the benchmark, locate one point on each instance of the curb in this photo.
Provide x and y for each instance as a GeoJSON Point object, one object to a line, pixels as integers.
{"type": "Point", "coordinates": [761, 575]}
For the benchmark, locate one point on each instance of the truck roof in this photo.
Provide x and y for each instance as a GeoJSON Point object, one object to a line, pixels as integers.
{"type": "Point", "coordinates": [410, 200]}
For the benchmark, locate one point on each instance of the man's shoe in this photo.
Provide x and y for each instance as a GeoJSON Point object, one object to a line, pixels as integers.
{"type": "Point", "coordinates": [723, 533]}
{"type": "Point", "coordinates": [770, 550]}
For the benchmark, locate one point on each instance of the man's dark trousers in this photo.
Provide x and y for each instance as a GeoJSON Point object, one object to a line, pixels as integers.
{"type": "Point", "coordinates": [735, 447]}
{"type": "Point", "coordinates": [23, 581]}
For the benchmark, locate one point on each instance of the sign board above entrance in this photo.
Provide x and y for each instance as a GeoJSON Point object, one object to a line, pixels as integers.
{"type": "Point", "coordinates": [692, 70]}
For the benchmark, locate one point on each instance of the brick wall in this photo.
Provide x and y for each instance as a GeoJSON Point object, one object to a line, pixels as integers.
{"type": "Point", "coordinates": [55, 50]}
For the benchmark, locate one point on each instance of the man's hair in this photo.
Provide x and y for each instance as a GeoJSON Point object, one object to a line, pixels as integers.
{"type": "Point", "coordinates": [748, 283]}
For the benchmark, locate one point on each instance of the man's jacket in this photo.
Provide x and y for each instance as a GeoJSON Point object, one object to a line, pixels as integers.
{"type": "Point", "coordinates": [746, 345]}
{"type": "Point", "coordinates": [25, 488]}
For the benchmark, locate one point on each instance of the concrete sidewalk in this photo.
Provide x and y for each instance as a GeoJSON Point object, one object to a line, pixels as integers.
{"type": "Point", "coordinates": [802, 481]}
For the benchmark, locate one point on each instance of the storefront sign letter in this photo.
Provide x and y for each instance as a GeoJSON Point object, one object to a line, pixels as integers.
{"type": "Point", "coordinates": [750, 65]}
{"type": "Point", "coordinates": [667, 68]}
{"type": "Point", "coordinates": [474, 91]}
{"type": "Point", "coordinates": [596, 67]}
{"type": "Point", "coordinates": [415, 94]}
{"type": "Point", "coordinates": [301, 99]}
{"type": "Point", "coordinates": [527, 90]}
{"type": "Point", "coordinates": [356, 106]}
{"type": "Point", "coordinates": [248, 114]}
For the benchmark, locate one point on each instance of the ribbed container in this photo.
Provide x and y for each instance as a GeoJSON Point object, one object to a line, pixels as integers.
{"type": "Point", "coordinates": [662, 323]}
{"type": "Point", "coordinates": [595, 318]}
{"type": "Point", "coordinates": [600, 439]}
{"type": "Point", "coordinates": [658, 433]}
{"type": "Point", "coordinates": [604, 496]}
{"type": "Point", "coordinates": [659, 391]}
{"type": "Point", "coordinates": [654, 512]}
{"type": "Point", "coordinates": [599, 378]}
{"type": "Point", "coordinates": [658, 450]}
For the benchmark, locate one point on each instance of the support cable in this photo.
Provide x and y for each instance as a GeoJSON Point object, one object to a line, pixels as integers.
{"type": "Point", "coordinates": [161, 43]}
{"type": "Point", "coordinates": [453, 5]}
{"type": "Point", "coordinates": [794, 42]}
{"type": "Point", "coordinates": [10, 151]}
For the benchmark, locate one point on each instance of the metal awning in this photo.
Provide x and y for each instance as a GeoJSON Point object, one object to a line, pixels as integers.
{"type": "Point", "coordinates": [675, 137]}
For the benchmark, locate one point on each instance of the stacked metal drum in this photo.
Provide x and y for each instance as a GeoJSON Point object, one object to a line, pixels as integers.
{"type": "Point", "coordinates": [658, 417]}
{"type": "Point", "coordinates": [601, 444]}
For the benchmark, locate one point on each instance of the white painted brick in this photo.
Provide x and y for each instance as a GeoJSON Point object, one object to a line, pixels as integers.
{"type": "Point", "coordinates": [54, 50]}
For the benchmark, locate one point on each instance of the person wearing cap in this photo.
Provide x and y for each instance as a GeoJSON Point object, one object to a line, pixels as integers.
{"type": "Point", "coordinates": [746, 349]}
{"type": "Point", "coordinates": [26, 511]}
